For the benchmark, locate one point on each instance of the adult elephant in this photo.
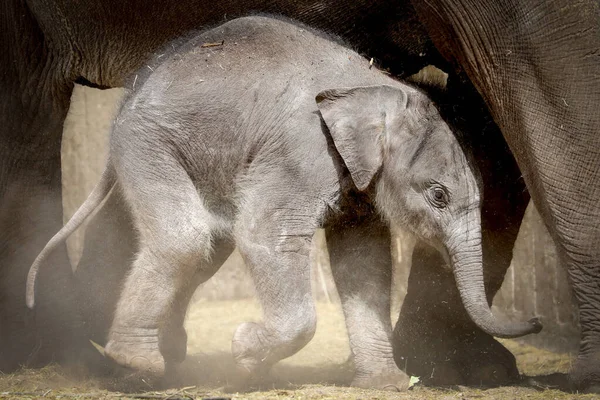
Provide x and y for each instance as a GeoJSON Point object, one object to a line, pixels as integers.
{"type": "Point", "coordinates": [535, 65]}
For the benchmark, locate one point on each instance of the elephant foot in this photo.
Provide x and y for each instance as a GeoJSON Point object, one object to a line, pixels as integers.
{"type": "Point", "coordinates": [139, 352]}
{"type": "Point", "coordinates": [442, 355]}
{"type": "Point", "coordinates": [256, 348]}
{"type": "Point", "coordinates": [585, 374]}
{"type": "Point", "coordinates": [250, 350]}
{"type": "Point", "coordinates": [396, 381]}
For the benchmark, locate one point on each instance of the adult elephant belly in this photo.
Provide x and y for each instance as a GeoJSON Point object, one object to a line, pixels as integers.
{"type": "Point", "coordinates": [538, 68]}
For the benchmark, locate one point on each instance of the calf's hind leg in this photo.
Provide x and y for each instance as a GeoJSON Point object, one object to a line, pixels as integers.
{"type": "Point", "coordinates": [173, 339]}
{"type": "Point", "coordinates": [176, 235]}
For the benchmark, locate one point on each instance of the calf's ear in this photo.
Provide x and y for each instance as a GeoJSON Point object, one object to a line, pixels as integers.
{"type": "Point", "coordinates": [358, 120]}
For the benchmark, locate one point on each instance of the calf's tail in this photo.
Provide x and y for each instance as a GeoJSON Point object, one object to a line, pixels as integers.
{"type": "Point", "coordinates": [99, 193]}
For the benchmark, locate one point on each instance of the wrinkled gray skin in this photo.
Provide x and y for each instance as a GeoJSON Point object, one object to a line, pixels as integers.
{"type": "Point", "coordinates": [531, 64]}
{"type": "Point", "coordinates": [227, 145]}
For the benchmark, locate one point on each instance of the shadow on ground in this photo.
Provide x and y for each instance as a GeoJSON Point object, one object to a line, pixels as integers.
{"type": "Point", "coordinates": [209, 375]}
{"type": "Point", "coordinates": [319, 371]}
{"type": "Point", "coordinates": [217, 370]}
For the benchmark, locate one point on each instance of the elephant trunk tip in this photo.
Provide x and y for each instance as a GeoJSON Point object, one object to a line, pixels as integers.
{"type": "Point", "coordinates": [467, 264]}
{"type": "Point", "coordinates": [536, 325]}
{"type": "Point", "coordinates": [514, 330]}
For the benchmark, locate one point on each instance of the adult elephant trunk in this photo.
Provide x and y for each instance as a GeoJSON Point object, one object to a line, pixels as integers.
{"type": "Point", "coordinates": [467, 263]}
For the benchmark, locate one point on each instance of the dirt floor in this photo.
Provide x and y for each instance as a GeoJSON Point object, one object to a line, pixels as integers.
{"type": "Point", "coordinates": [319, 371]}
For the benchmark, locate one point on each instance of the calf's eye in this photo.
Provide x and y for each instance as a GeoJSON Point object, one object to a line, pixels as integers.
{"type": "Point", "coordinates": [439, 197]}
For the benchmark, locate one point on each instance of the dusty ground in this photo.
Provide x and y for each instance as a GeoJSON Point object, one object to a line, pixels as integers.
{"type": "Point", "coordinates": [319, 371]}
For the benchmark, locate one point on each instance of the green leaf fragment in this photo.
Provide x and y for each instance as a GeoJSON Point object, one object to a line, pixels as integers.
{"type": "Point", "coordinates": [413, 381]}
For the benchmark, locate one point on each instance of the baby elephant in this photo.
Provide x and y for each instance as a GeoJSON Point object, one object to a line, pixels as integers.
{"type": "Point", "coordinates": [255, 134]}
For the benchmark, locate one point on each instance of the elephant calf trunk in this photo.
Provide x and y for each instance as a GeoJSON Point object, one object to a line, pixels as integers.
{"type": "Point", "coordinates": [485, 320]}
{"type": "Point", "coordinates": [468, 272]}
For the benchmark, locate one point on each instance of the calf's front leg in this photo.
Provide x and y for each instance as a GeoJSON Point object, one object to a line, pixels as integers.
{"type": "Point", "coordinates": [275, 245]}
{"type": "Point", "coordinates": [362, 269]}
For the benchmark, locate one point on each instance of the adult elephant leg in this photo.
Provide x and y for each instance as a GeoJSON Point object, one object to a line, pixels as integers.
{"type": "Point", "coordinates": [563, 174]}
{"type": "Point", "coordinates": [34, 99]}
{"type": "Point", "coordinates": [537, 68]}
{"type": "Point", "coordinates": [361, 264]}
{"type": "Point", "coordinates": [562, 170]}
{"type": "Point", "coordinates": [464, 354]}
